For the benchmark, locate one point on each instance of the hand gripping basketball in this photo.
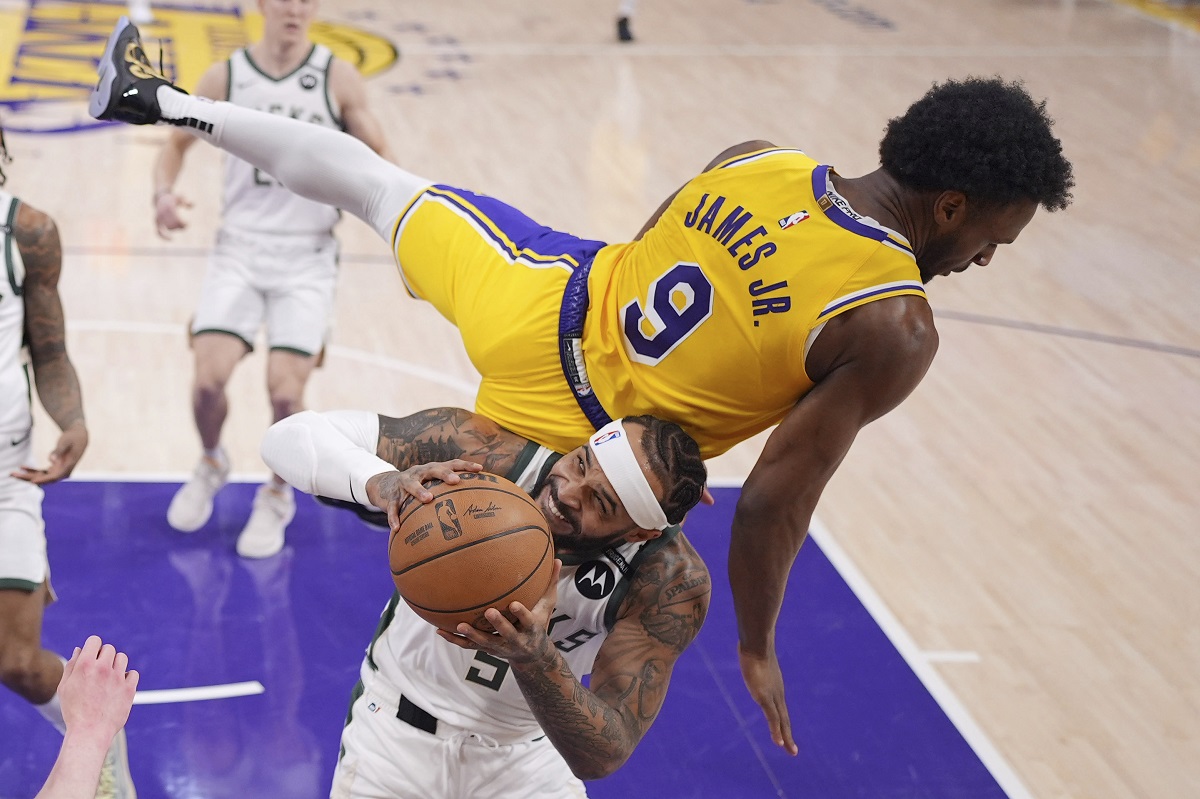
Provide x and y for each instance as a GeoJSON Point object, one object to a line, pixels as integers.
{"type": "Point", "coordinates": [390, 490]}
{"type": "Point", "coordinates": [521, 633]}
{"type": "Point", "coordinates": [480, 543]}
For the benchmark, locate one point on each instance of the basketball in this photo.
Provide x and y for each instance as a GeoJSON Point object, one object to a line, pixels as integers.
{"type": "Point", "coordinates": [482, 543]}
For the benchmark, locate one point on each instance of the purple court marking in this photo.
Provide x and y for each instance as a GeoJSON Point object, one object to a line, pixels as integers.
{"type": "Point", "coordinates": [191, 613]}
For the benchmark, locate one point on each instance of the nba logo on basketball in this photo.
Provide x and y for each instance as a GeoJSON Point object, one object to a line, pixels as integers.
{"type": "Point", "coordinates": [609, 436]}
{"type": "Point", "coordinates": [448, 519]}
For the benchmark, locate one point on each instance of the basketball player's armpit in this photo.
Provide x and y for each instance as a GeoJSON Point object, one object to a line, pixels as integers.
{"type": "Point", "coordinates": [443, 434]}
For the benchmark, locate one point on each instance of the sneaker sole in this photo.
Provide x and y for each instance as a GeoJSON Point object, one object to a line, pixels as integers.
{"type": "Point", "coordinates": [101, 103]}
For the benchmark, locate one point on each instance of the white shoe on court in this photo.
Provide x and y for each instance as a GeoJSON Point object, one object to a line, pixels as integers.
{"type": "Point", "coordinates": [274, 508]}
{"type": "Point", "coordinates": [115, 780]}
{"type": "Point", "coordinates": [193, 503]}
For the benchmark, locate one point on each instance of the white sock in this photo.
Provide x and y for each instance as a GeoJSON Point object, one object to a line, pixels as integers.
{"type": "Point", "coordinates": [626, 8]}
{"type": "Point", "coordinates": [52, 711]}
{"type": "Point", "coordinates": [216, 455]}
{"type": "Point", "coordinates": [324, 165]}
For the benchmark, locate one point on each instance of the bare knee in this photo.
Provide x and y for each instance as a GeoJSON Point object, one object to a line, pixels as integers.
{"type": "Point", "coordinates": [20, 665]}
{"type": "Point", "coordinates": [287, 375]}
{"type": "Point", "coordinates": [217, 354]}
{"type": "Point", "coordinates": [209, 388]}
{"type": "Point", "coordinates": [286, 401]}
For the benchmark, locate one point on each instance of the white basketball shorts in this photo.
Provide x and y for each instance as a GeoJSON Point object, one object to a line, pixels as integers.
{"type": "Point", "coordinates": [22, 533]}
{"type": "Point", "coordinates": [285, 282]}
{"type": "Point", "coordinates": [386, 758]}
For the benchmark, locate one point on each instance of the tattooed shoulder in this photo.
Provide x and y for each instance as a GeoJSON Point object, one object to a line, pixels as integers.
{"type": "Point", "coordinates": [37, 239]}
{"type": "Point", "coordinates": [670, 594]}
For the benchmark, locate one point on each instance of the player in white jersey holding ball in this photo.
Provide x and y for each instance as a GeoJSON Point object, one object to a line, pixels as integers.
{"type": "Point", "coordinates": [439, 716]}
{"type": "Point", "coordinates": [275, 258]}
{"type": "Point", "coordinates": [32, 334]}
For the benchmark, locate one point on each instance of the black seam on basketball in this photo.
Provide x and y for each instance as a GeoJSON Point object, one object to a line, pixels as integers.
{"type": "Point", "coordinates": [484, 605]}
{"type": "Point", "coordinates": [470, 544]}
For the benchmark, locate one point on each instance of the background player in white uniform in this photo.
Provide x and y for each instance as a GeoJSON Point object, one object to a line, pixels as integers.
{"type": "Point", "coordinates": [438, 715]}
{"type": "Point", "coordinates": [32, 334]}
{"type": "Point", "coordinates": [275, 259]}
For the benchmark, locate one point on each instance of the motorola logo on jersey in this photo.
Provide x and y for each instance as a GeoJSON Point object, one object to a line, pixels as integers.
{"type": "Point", "coordinates": [308, 81]}
{"type": "Point", "coordinates": [595, 579]}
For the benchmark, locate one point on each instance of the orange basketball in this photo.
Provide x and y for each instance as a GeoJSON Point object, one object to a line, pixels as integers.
{"type": "Point", "coordinates": [480, 544]}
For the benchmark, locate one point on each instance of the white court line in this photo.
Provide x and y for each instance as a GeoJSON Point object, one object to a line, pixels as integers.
{"type": "Point", "coordinates": [933, 682]}
{"type": "Point", "coordinates": [525, 49]}
{"type": "Point", "coordinates": [159, 477]}
{"type": "Point", "coordinates": [201, 693]}
{"type": "Point", "coordinates": [120, 326]}
{"type": "Point", "coordinates": [468, 387]}
{"type": "Point", "coordinates": [951, 656]}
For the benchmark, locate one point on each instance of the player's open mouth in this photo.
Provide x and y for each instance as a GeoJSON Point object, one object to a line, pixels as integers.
{"type": "Point", "coordinates": [556, 516]}
{"type": "Point", "coordinates": [552, 508]}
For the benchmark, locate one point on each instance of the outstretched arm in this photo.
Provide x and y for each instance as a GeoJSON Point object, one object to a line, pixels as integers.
{"type": "Point", "coordinates": [97, 693]}
{"type": "Point", "coordinates": [597, 730]}
{"type": "Point", "coordinates": [864, 363]}
{"type": "Point", "coordinates": [57, 384]}
{"type": "Point", "coordinates": [348, 86]}
{"type": "Point", "coordinates": [379, 461]}
{"type": "Point", "coordinates": [725, 155]}
{"type": "Point", "coordinates": [214, 84]}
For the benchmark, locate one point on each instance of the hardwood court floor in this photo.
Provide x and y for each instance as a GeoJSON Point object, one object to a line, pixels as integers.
{"type": "Point", "coordinates": [1031, 509]}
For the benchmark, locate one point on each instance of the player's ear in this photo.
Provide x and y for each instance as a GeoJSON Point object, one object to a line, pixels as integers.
{"type": "Point", "coordinates": [638, 535]}
{"type": "Point", "coordinates": [949, 209]}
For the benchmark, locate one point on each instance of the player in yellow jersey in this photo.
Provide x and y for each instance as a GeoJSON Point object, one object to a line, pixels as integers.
{"type": "Point", "coordinates": [768, 290]}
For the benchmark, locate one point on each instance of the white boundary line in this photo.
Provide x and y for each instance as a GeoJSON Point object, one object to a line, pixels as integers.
{"type": "Point", "coordinates": [467, 387]}
{"type": "Point", "coordinates": [920, 662]}
{"type": "Point", "coordinates": [995, 763]}
{"type": "Point", "coordinates": [950, 656]}
{"type": "Point", "coordinates": [200, 693]}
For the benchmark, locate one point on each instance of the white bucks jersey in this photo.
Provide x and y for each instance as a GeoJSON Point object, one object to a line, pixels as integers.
{"type": "Point", "coordinates": [15, 418]}
{"type": "Point", "coordinates": [254, 201]}
{"type": "Point", "coordinates": [475, 690]}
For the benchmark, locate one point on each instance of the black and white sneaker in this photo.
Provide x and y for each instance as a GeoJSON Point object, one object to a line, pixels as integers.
{"type": "Point", "coordinates": [128, 83]}
{"type": "Point", "coordinates": [624, 32]}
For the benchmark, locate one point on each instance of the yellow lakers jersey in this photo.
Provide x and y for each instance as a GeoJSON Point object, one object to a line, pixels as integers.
{"type": "Point", "coordinates": [706, 320]}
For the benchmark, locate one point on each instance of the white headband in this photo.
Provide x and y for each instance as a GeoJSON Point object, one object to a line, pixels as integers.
{"type": "Point", "coordinates": [610, 445]}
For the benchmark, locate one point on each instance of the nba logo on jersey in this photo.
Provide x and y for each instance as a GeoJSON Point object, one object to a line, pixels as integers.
{"type": "Point", "coordinates": [794, 219]}
{"type": "Point", "coordinates": [609, 436]}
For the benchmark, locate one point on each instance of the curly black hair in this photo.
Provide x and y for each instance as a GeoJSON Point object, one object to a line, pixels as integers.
{"type": "Point", "coordinates": [675, 459]}
{"type": "Point", "coordinates": [5, 158]}
{"type": "Point", "coordinates": [984, 137]}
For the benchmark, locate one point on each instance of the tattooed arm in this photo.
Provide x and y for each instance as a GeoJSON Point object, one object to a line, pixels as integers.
{"type": "Point", "coordinates": [444, 434]}
{"type": "Point", "coordinates": [597, 730]}
{"type": "Point", "coordinates": [57, 385]}
{"type": "Point", "coordinates": [371, 461]}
